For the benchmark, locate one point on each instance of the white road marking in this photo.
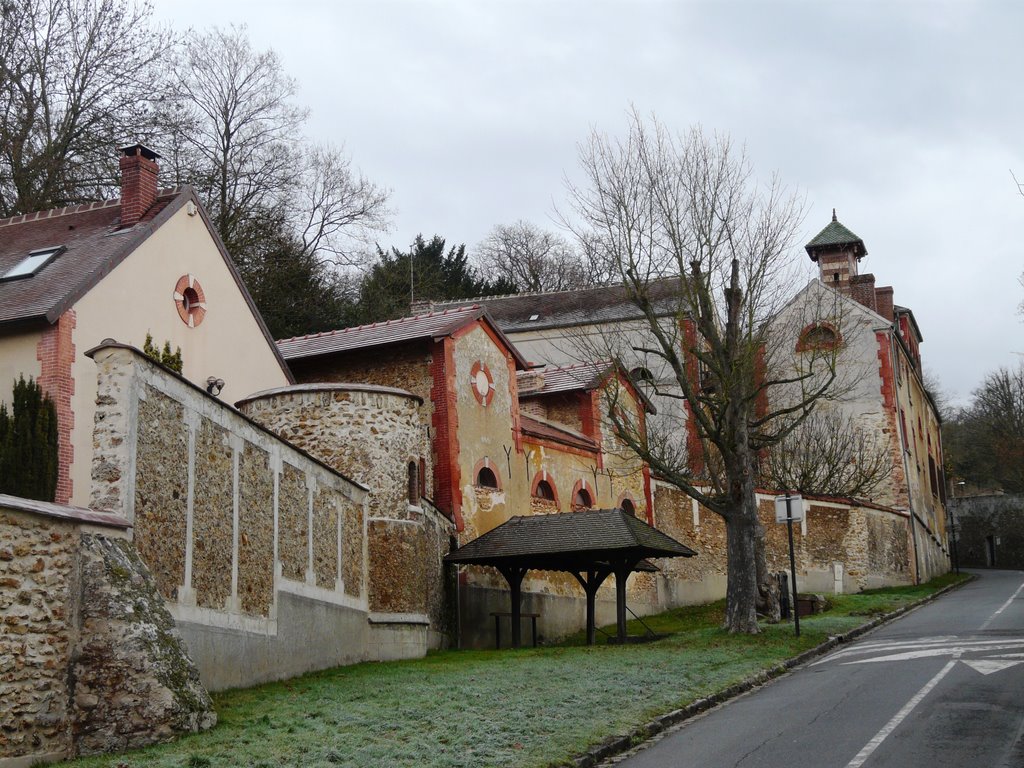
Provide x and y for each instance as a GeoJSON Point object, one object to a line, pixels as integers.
{"type": "Point", "coordinates": [899, 717]}
{"type": "Point", "coordinates": [909, 649]}
{"type": "Point", "coordinates": [1003, 607]}
{"type": "Point", "coordinates": [954, 650]}
{"type": "Point", "coordinates": [988, 666]}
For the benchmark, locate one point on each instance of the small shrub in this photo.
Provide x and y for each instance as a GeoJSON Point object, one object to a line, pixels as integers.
{"type": "Point", "coordinates": [165, 357]}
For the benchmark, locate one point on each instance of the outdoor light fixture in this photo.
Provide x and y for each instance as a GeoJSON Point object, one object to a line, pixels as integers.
{"type": "Point", "coordinates": [214, 385]}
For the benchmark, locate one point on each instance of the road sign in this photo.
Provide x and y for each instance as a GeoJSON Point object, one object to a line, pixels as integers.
{"type": "Point", "coordinates": [796, 508]}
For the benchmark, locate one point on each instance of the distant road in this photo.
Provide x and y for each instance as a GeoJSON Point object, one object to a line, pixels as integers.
{"type": "Point", "coordinates": [942, 686]}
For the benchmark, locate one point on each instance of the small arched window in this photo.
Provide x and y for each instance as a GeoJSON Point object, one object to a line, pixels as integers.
{"type": "Point", "coordinates": [582, 500]}
{"type": "Point", "coordinates": [544, 491]}
{"type": "Point", "coordinates": [628, 507]}
{"type": "Point", "coordinates": [486, 478]}
{"type": "Point", "coordinates": [414, 483]}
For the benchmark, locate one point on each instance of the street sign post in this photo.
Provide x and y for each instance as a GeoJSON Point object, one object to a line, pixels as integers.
{"type": "Point", "coordinates": [787, 509]}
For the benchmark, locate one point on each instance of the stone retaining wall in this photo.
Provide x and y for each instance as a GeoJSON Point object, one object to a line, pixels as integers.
{"type": "Point", "coordinates": [377, 436]}
{"type": "Point", "coordinates": [231, 519]}
{"type": "Point", "coordinates": [90, 660]}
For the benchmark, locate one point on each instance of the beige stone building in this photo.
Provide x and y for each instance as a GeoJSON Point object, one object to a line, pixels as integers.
{"type": "Point", "coordinates": [149, 262]}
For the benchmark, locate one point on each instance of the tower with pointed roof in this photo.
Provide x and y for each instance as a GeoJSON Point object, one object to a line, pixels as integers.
{"type": "Point", "coordinates": [837, 252]}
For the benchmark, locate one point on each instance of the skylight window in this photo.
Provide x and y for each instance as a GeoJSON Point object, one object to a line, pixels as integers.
{"type": "Point", "coordinates": [534, 317]}
{"type": "Point", "coordinates": [32, 263]}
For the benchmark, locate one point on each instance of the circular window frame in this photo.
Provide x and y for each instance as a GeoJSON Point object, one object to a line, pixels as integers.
{"type": "Point", "coordinates": [480, 368]}
{"type": "Point", "coordinates": [190, 301]}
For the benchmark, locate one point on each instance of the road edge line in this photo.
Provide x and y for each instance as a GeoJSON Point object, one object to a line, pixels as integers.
{"type": "Point", "coordinates": [616, 745]}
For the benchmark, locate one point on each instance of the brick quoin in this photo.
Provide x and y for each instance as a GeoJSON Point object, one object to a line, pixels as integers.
{"type": "Point", "coordinates": [885, 369]}
{"type": "Point", "coordinates": [56, 353]}
{"type": "Point", "coordinates": [447, 494]}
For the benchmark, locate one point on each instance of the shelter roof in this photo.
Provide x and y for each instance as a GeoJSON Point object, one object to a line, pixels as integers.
{"type": "Point", "coordinates": [432, 325]}
{"type": "Point", "coordinates": [569, 541]}
{"type": "Point", "coordinates": [583, 306]}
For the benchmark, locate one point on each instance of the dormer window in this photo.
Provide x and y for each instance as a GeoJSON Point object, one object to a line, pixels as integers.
{"type": "Point", "coordinates": [32, 263]}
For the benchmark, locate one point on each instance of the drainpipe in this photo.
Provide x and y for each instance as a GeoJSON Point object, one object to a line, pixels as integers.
{"type": "Point", "coordinates": [904, 444]}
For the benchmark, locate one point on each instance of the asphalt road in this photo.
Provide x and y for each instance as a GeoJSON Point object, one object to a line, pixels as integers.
{"type": "Point", "coordinates": [942, 686]}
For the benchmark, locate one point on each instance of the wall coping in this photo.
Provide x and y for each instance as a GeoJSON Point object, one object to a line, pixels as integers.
{"type": "Point", "coordinates": [110, 344]}
{"type": "Point", "coordinates": [327, 387]}
{"type": "Point", "coordinates": [63, 511]}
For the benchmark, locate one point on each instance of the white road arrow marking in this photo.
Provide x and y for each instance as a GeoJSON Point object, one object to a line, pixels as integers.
{"type": "Point", "coordinates": [988, 666]}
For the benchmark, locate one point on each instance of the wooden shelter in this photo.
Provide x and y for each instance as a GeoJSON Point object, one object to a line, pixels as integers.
{"type": "Point", "coordinates": [591, 545]}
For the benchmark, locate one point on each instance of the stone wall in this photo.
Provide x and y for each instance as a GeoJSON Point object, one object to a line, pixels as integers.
{"type": "Point", "coordinates": [242, 530]}
{"type": "Point", "coordinates": [373, 434]}
{"type": "Point", "coordinates": [838, 548]}
{"type": "Point", "coordinates": [990, 530]}
{"type": "Point", "coordinates": [90, 660]}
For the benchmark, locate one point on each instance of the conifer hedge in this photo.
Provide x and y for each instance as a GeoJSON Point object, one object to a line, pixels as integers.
{"type": "Point", "coordinates": [28, 443]}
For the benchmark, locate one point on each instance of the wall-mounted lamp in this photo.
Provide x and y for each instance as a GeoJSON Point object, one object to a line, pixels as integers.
{"type": "Point", "coordinates": [214, 385]}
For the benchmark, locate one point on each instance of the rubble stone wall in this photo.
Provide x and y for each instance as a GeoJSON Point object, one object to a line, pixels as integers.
{"type": "Point", "coordinates": [230, 518]}
{"type": "Point", "coordinates": [372, 434]}
{"type": "Point", "coordinates": [90, 660]}
{"type": "Point", "coordinates": [839, 547]}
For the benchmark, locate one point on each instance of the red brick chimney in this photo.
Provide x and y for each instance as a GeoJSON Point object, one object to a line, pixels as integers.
{"type": "Point", "coordinates": [138, 182]}
{"type": "Point", "coordinates": [862, 289]}
{"type": "Point", "coordinates": [883, 297]}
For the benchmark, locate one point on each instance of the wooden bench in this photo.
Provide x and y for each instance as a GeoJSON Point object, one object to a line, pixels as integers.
{"type": "Point", "coordinates": [497, 625]}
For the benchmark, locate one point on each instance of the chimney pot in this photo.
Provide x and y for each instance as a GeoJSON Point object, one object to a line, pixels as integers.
{"type": "Point", "coordinates": [139, 171]}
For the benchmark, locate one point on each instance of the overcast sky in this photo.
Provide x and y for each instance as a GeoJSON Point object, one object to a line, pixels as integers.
{"type": "Point", "coordinates": [907, 117]}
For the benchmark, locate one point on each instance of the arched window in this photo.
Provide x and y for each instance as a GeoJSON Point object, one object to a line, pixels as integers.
{"type": "Point", "coordinates": [818, 337]}
{"type": "Point", "coordinates": [544, 490]}
{"type": "Point", "coordinates": [627, 506]}
{"type": "Point", "coordinates": [414, 483]}
{"type": "Point", "coordinates": [486, 478]}
{"type": "Point", "coordinates": [642, 375]}
{"type": "Point", "coordinates": [582, 500]}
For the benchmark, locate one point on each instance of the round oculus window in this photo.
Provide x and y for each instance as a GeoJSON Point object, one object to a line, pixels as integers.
{"type": "Point", "coordinates": [190, 300]}
{"type": "Point", "coordinates": [482, 383]}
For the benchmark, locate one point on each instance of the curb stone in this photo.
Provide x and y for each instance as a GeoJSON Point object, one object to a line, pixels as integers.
{"type": "Point", "coordinates": [617, 745]}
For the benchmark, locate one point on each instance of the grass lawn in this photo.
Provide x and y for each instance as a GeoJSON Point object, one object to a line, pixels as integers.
{"type": "Point", "coordinates": [533, 707]}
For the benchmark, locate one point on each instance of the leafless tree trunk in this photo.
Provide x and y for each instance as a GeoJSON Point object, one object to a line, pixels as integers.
{"type": "Point", "coordinates": [686, 209]}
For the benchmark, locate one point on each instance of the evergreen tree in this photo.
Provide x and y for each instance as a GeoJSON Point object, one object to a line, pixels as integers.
{"type": "Point", "coordinates": [424, 272]}
{"type": "Point", "coordinates": [28, 443]}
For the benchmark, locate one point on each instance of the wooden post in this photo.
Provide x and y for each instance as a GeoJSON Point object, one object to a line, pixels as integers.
{"type": "Point", "coordinates": [621, 574]}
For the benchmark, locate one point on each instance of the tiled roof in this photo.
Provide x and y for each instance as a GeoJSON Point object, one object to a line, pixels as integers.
{"type": "Point", "coordinates": [568, 538]}
{"type": "Point", "coordinates": [433, 325]}
{"type": "Point", "coordinates": [573, 378]}
{"type": "Point", "coordinates": [569, 378]}
{"type": "Point", "coordinates": [94, 246]}
{"type": "Point", "coordinates": [834, 235]}
{"type": "Point", "coordinates": [545, 430]}
{"type": "Point", "coordinates": [586, 306]}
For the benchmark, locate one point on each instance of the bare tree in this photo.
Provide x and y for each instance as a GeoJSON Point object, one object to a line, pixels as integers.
{"type": "Point", "coordinates": [533, 259]}
{"type": "Point", "coordinates": [828, 455]}
{"type": "Point", "coordinates": [686, 208]}
{"type": "Point", "coordinates": [77, 77]}
{"type": "Point", "coordinates": [236, 134]}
